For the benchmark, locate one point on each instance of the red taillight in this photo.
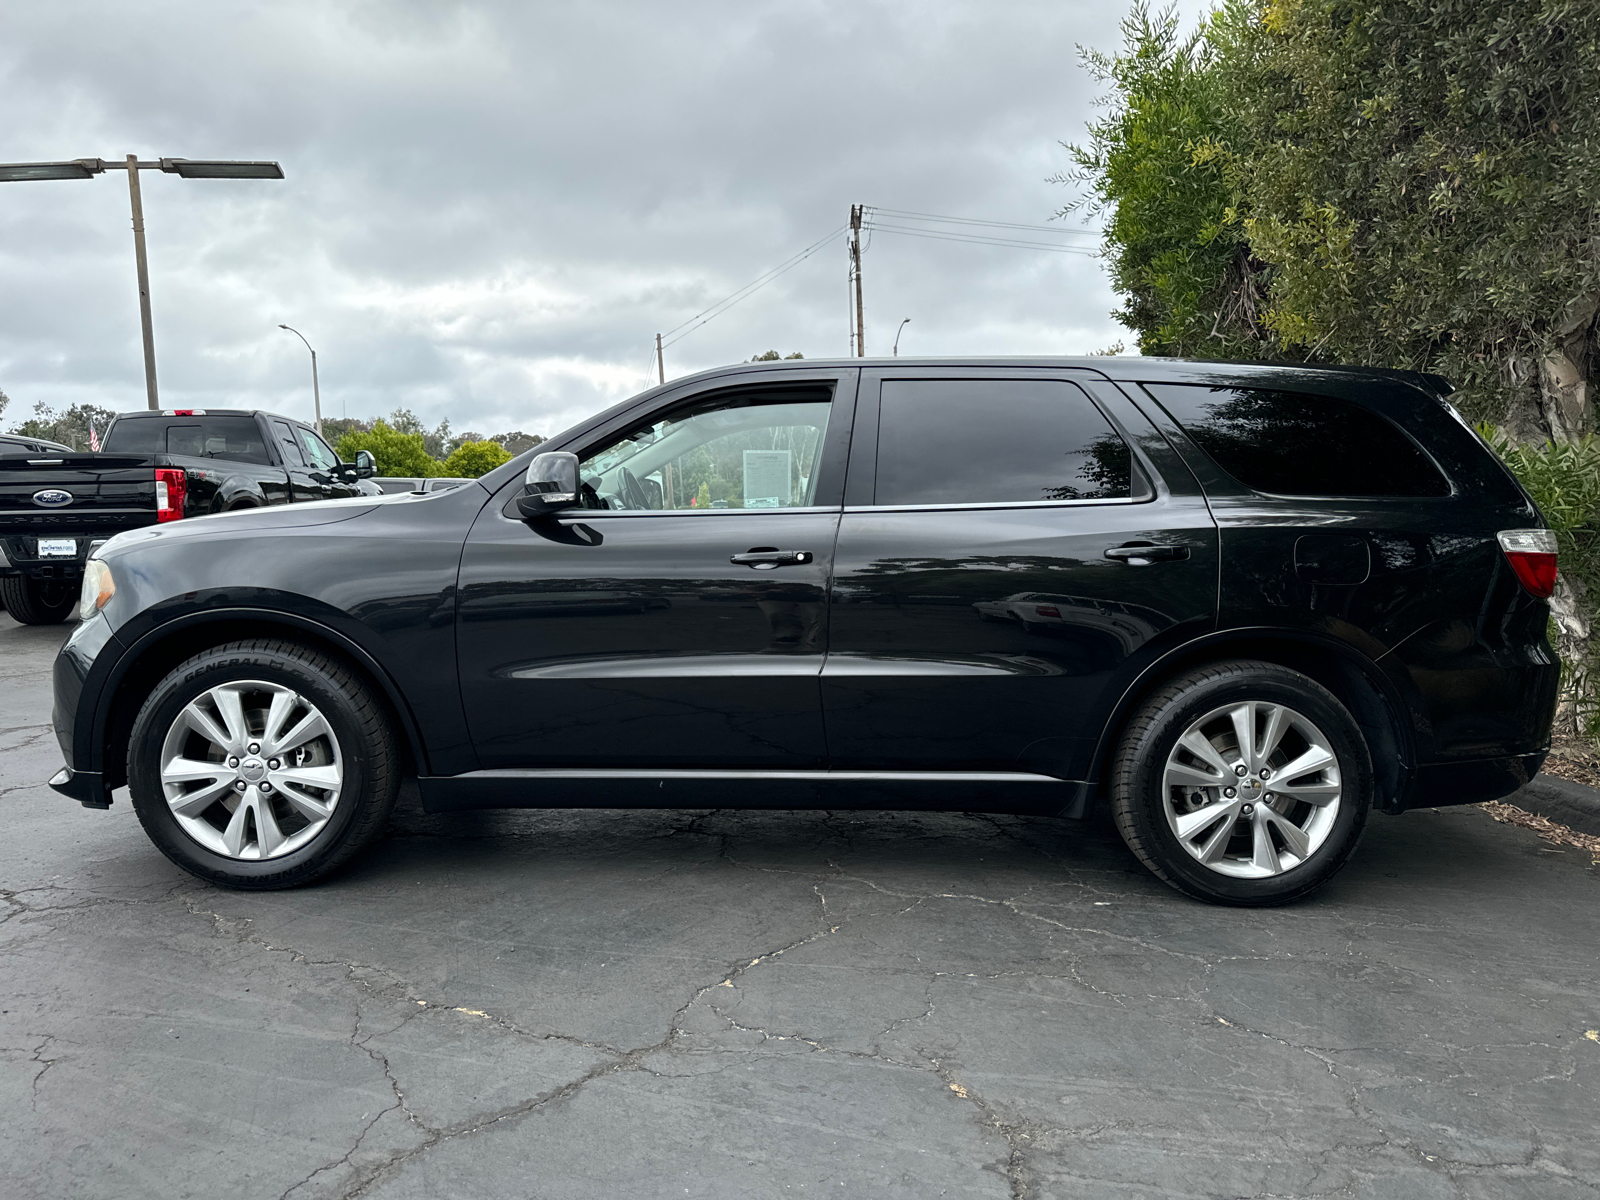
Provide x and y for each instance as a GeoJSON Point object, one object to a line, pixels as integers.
{"type": "Point", "coordinates": [1532, 555]}
{"type": "Point", "coordinates": [171, 485]}
{"type": "Point", "coordinates": [1046, 610]}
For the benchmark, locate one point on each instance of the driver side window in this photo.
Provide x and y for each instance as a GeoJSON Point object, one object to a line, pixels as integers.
{"type": "Point", "coordinates": [745, 451]}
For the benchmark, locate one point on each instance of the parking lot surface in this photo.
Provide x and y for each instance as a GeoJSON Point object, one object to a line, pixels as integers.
{"type": "Point", "coordinates": [752, 1004]}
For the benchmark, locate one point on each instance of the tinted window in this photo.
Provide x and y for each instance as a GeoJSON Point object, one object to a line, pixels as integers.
{"type": "Point", "coordinates": [975, 441]}
{"type": "Point", "coordinates": [317, 452]}
{"type": "Point", "coordinates": [740, 451]}
{"type": "Point", "coordinates": [1300, 445]}
{"type": "Point", "coordinates": [287, 446]}
{"type": "Point", "coordinates": [234, 438]}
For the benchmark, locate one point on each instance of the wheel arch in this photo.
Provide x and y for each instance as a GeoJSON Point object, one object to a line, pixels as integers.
{"type": "Point", "coordinates": [1360, 684]}
{"type": "Point", "coordinates": [150, 658]}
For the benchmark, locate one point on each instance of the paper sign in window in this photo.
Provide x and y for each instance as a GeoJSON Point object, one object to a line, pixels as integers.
{"type": "Point", "coordinates": [766, 478]}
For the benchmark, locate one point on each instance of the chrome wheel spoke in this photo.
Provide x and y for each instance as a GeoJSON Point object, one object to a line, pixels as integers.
{"type": "Point", "coordinates": [1188, 775]}
{"type": "Point", "coordinates": [1277, 726]}
{"type": "Point", "coordinates": [1244, 730]}
{"type": "Point", "coordinates": [1262, 852]}
{"type": "Point", "coordinates": [1319, 794]}
{"type": "Point", "coordinates": [1190, 824]}
{"type": "Point", "coordinates": [192, 804]}
{"type": "Point", "coordinates": [269, 838]}
{"type": "Point", "coordinates": [206, 726]}
{"type": "Point", "coordinates": [233, 835]}
{"type": "Point", "coordinates": [283, 703]}
{"type": "Point", "coordinates": [1217, 842]}
{"type": "Point", "coordinates": [1197, 744]}
{"type": "Point", "coordinates": [1294, 838]}
{"type": "Point", "coordinates": [312, 725]}
{"type": "Point", "coordinates": [231, 705]}
{"type": "Point", "coordinates": [1314, 759]}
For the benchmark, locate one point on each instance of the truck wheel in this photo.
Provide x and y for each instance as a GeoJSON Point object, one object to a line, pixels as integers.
{"type": "Point", "coordinates": [1242, 783]}
{"type": "Point", "coordinates": [38, 601]}
{"type": "Point", "coordinates": [262, 764]}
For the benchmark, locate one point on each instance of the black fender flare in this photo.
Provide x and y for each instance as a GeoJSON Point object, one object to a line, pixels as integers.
{"type": "Point", "coordinates": [101, 726]}
{"type": "Point", "coordinates": [1212, 645]}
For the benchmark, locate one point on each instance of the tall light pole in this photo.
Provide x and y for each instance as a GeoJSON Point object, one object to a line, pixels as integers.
{"type": "Point", "coordinates": [316, 392]}
{"type": "Point", "coordinates": [184, 168]}
{"type": "Point", "coordinates": [897, 334]}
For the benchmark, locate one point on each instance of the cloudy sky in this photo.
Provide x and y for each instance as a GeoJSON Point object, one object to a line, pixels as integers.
{"type": "Point", "coordinates": [491, 208]}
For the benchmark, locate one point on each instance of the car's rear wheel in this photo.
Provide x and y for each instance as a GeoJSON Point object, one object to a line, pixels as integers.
{"type": "Point", "coordinates": [262, 764]}
{"type": "Point", "coordinates": [38, 601]}
{"type": "Point", "coordinates": [1243, 783]}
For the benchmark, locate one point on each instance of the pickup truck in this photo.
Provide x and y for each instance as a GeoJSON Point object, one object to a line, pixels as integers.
{"type": "Point", "coordinates": [153, 467]}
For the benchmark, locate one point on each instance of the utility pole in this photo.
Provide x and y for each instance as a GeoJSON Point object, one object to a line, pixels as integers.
{"type": "Point", "coordinates": [661, 366]}
{"type": "Point", "coordinates": [855, 268]}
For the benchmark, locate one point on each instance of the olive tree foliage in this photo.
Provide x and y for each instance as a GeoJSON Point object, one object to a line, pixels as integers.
{"type": "Point", "coordinates": [1152, 176]}
{"type": "Point", "coordinates": [1398, 183]}
{"type": "Point", "coordinates": [1404, 183]}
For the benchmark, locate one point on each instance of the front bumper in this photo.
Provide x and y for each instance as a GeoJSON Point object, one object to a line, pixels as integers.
{"type": "Point", "coordinates": [88, 788]}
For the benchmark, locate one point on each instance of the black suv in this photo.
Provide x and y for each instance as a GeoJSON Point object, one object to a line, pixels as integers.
{"type": "Point", "coordinates": [1241, 605]}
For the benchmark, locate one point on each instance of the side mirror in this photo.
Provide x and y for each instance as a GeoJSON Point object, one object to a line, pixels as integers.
{"type": "Point", "coordinates": [550, 485]}
{"type": "Point", "coordinates": [366, 465]}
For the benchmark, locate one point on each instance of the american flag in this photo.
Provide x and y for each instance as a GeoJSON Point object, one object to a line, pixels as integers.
{"type": "Point", "coordinates": [94, 439]}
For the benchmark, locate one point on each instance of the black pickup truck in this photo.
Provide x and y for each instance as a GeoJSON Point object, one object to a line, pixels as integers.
{"type": "Point", "coordinates": [153, 467]}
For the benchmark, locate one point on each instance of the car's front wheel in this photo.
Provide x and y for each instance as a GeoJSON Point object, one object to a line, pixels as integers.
{"type": "Point", "coordinates": [1243, 783]}
{"type": "Point", "coordinates": [262, 764]}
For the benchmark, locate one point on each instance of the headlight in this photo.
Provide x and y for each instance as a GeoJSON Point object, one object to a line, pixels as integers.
{"type": "Point", "coordinates": [98, 588]}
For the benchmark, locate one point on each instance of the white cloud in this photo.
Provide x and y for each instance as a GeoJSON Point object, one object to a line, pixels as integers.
{"type": "Point", "coordinates": [491, 208]}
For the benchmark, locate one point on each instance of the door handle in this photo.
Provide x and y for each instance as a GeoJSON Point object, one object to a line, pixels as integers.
{"type": "Point", "coordinates": [765, 558]}
{"type": "Point", "coordinates": [1142, 554]}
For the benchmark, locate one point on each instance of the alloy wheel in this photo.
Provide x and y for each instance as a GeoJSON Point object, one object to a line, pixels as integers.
{"type": "Point", "coordinates": [251, 770]}
{"type": "Point", "coordinates": [1252, 789]}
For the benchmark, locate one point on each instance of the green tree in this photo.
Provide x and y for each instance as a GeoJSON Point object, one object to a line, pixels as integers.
{"type": "Point", "coordinates": [1175, 247]}
{"type": "Point", "coordinates": [774, 356]}
{"type": "Point", "coordinates": [472, 459]}
{"type": "Point", "coordinates": [70, 428]}
{"type": "Point", "coordinates": [398, 454]}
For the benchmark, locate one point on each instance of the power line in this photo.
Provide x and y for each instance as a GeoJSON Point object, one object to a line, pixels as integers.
{"type": "Point", "coordinates": [981, 240]}
{"type": "Point", "coordinates": [1056, 229]}
{"type": "Point", "coordinates": [749, 289]}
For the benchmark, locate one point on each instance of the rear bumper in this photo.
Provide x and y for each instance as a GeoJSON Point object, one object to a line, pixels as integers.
{"type": "Point", "coordinates": [1442, 784]}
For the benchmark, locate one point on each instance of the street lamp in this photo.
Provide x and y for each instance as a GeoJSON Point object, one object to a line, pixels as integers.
{"type": "Point", "coordinates": [316, 392]}
{"type": "Point", "coordinates": [897, 334]}
{"type": "Point", "coordinates": [183, 168]}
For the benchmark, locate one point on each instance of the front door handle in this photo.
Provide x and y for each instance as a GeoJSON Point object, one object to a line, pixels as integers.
{"type": "Point", "coordinates": [765, 558]}
{"type": "Point", "coordinates": [1142, 554]}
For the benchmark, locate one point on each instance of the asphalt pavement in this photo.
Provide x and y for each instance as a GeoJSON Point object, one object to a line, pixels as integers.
{"type": "Point", "coordinates": [725, 1004]}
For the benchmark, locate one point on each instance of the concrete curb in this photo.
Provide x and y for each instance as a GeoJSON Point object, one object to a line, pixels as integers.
{"type": "Point", "coordinates": [1572, 804]}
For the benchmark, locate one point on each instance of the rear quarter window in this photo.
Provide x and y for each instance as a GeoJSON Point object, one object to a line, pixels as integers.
{"type": "Point", "coordinates": [1298, 444]}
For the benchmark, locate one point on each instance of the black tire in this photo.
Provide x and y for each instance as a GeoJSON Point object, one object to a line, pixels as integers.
{"type": "Point", "coordinates": [38, 601]}
{"type": "Point", "coordinates": [1140, 807]}
{"type": "Point", "coordinates": [366, 742]}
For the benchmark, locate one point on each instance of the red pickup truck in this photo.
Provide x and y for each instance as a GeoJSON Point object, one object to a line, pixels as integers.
{"type": "Point", "coordinates": [154, 466]}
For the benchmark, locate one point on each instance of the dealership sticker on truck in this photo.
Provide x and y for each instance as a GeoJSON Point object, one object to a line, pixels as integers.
{"type": "Point", "coordinates": [58, 548]}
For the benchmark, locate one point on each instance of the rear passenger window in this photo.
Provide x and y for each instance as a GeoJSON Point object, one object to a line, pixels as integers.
{"type": "Point", "coordinates": [997, 441]}
{"type": "Point", "coordinates": [1294, 444]}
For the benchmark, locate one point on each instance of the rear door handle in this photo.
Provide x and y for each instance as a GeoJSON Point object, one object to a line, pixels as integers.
{"type": "Point", "coordinates": [765, 558]}
{"type": "Point", "coordinates": [1140, 554]}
